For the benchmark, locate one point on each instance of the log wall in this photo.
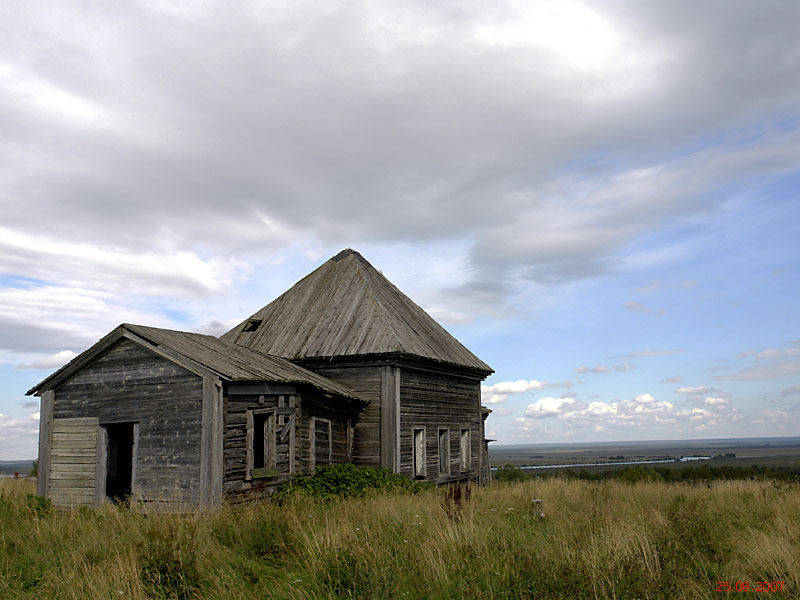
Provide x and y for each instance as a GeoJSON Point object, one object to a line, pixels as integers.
{"type": "Point", "coordinates": [293, 454]}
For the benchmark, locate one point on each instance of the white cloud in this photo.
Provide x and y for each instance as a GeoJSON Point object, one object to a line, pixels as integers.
{"type": "Point", "coordinates": [57, 360]}
{"type": "Point", "coordinates": [699, 389]}
{"type": "Point", "coordinates": [548, 407]}
{"type": "Point", "coordinates": [18, 437]}
{"type": "Point", "coordinates": [70, 263]}
{"type": "Point", "coordinates": [716, 402]}
{"type": "Point", "coordinates": [499, 392]}
{"type": "Point", "coordinates": [673, 379]}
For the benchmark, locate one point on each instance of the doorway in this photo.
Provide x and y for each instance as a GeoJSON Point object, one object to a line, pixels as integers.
{"type": "Point", "coordinates": [119, 461]}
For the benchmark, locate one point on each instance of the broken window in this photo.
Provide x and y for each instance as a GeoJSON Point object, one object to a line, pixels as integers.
{"type": "Point", "coordinates": [418, 436]}
{"type": "Point", "coordinates": [323, 444]}
{"type": "Point", "coordinates": [444, 451]}
{"type": "Point", "coordinates": [260, 440]}
{"type": "Point", "coordinates": [465, 450]}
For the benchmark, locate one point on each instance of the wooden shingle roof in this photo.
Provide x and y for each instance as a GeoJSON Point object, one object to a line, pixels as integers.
{"type": "Point", "coordinates": [222, 359]}
{"type": "Point", "coordinates": [346, 307]}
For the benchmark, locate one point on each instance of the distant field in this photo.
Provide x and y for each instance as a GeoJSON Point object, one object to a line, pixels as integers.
{"type": "Point", "coordinates": [770, 452]}
{"type": "Point", "coordinates": [23, 467]}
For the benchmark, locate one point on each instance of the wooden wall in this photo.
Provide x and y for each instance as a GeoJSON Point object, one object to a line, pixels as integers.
{"type": "Point", "coordinates": [72, 471]}
{"type": "Point", "coordinates": [439, 400]}
{"type": "Point", "coordinates": [366, 382]}
{"type": "Point", "coordinates": [236, 485]}
{"type": "Point", "coordinates": [132, 384]}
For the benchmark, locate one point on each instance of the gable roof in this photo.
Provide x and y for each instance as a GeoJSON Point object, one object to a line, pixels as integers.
{"type": "Point", "coordinates": [204, 355]}
{"type": "Point", "coordinates": [346, 307]}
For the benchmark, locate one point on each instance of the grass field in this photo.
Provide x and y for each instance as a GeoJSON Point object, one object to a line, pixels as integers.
{"type": "Point", "coordinates": [597, 540]}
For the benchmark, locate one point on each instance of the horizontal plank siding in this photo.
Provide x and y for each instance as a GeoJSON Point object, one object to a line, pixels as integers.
{"type": "Point", "coordinates": [132, 384]}
{"type": "Point", "coordinates": [435, 401]}
{"type": "Point", "coordinates": [71, 480]}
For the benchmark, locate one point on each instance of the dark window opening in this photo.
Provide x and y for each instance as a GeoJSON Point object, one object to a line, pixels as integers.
{"type": "Point", "coordinates": [252, 325]}
{"type": "Point", "coordinates": [261, 437]}
{"type": "Point", "coordinates": [119, 461]}
{"type": "Point", "coordinates": [444, 451]}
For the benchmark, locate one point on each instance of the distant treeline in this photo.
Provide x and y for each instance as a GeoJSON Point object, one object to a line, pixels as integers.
{"type": "Point", "coordinates": [639, 473]}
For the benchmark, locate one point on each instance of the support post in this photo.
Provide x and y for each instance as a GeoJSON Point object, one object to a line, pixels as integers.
{"type": "Point", "coordinates": [45, 438]}
{"type": "Point", "coordinates": [211, 455]}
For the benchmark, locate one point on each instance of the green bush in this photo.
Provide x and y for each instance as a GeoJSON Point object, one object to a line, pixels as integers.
{"type": "Point", "coordinates": [509, 473]}
{"type": "Point", "coordinates": [348, 480]}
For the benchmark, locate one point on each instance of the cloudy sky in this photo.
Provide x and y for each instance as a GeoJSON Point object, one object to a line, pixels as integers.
{"type": "Point", "coordinates": [599, 199]}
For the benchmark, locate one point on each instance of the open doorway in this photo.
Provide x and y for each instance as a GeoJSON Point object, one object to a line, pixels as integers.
{"type": "Point", "coordinates": [119, 461]}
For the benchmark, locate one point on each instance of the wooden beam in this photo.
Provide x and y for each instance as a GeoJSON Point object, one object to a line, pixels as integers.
{"type": "Point", "coordinates": [101, 466]}
{"type": "Point", "coordinates": [211, 436]}
{"type": "Point", "coordinates": [293, 403]}
{"type": "Point", "coordinates": [45, 436]}
{"type": "Point", "coordinates": [256, 389]}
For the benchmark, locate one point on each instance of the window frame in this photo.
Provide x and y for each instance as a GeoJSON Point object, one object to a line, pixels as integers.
{"type": "Point", "coordinates": [465, 451]}
{"type": "Point", "coordinates": [419, 468]}
{"type": "Point", "coordinates": [269, 446]}
{"type": "Point", "coordinates": [329, 422]}
{"type": "Point", "coordinates": [444, 450]}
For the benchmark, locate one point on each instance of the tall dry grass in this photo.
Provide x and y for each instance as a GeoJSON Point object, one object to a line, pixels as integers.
{"type": "Point", "coordinates": [597, 540]}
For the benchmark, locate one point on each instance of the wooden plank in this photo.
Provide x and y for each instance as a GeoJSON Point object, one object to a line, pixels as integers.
{"type": "Point", "coordinates": [250, 389]}
{"type": "Point", "coordinates": [61, 429]}
{"type": "Point", "coordinates": [293, 403]}
{"type": "Point", "coordinates": [135, 495]}
{"type": "Point", "coordinates": [211, 451]}
{"type": "Point", "coordinates": [45, 425]}
{"type": "Point", "coordinates": [100, 466]}
{"type": "Point", "coordinates": [75, 422]}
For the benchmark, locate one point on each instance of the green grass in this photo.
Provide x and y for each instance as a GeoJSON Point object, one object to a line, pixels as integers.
{"type": "Point", "coordinates": [607, 539]}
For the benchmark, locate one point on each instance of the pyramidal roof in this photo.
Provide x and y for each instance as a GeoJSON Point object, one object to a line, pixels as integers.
{"type": "Point", "coordinates": [346, 307]}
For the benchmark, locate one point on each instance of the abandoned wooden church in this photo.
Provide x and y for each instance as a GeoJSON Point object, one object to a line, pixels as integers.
{"type": "Point", "coordinates": [343, 367]}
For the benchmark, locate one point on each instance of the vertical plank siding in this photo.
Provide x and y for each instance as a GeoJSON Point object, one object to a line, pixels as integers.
{"type": "Point", "coordinates": [366, 381]}
{"type": "Point", "coordinates": [132, 384]}
{"type": "Point", "coordinates": [433, 401]}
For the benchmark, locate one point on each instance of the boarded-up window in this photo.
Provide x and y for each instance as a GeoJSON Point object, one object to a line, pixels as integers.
{"type": "Point", "coordinates": [465, 450]}
{"type": "Point", "coordinates": [444, 451]}
{"type": "Point", "coordinates": [419, 453]}
{"type": "Point", "coordinates": [322, 442]}
{"type": "Point", "coordinates": [260, 440]}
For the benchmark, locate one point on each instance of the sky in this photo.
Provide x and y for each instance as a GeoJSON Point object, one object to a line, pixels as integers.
{"type": "Point", "coordinates": [600, 200]}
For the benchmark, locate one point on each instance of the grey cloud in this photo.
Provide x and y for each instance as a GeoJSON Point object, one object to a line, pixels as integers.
{"type": "Point", "coordinates": [40, 338]}
{"type": "Point", "coordinates": [673, 379]}
{"type": "Point", "coordinates": [639, 307]}
{"type": "Point", "coordinates": [233, 130]}
{"type": "Point", "coordinates": [791, 391]}
{"type": "Point", "coordinates": [764, 372]}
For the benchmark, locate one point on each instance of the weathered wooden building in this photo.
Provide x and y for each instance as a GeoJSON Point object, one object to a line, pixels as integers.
{"type": "Point", "coordinates": [343, 367]}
